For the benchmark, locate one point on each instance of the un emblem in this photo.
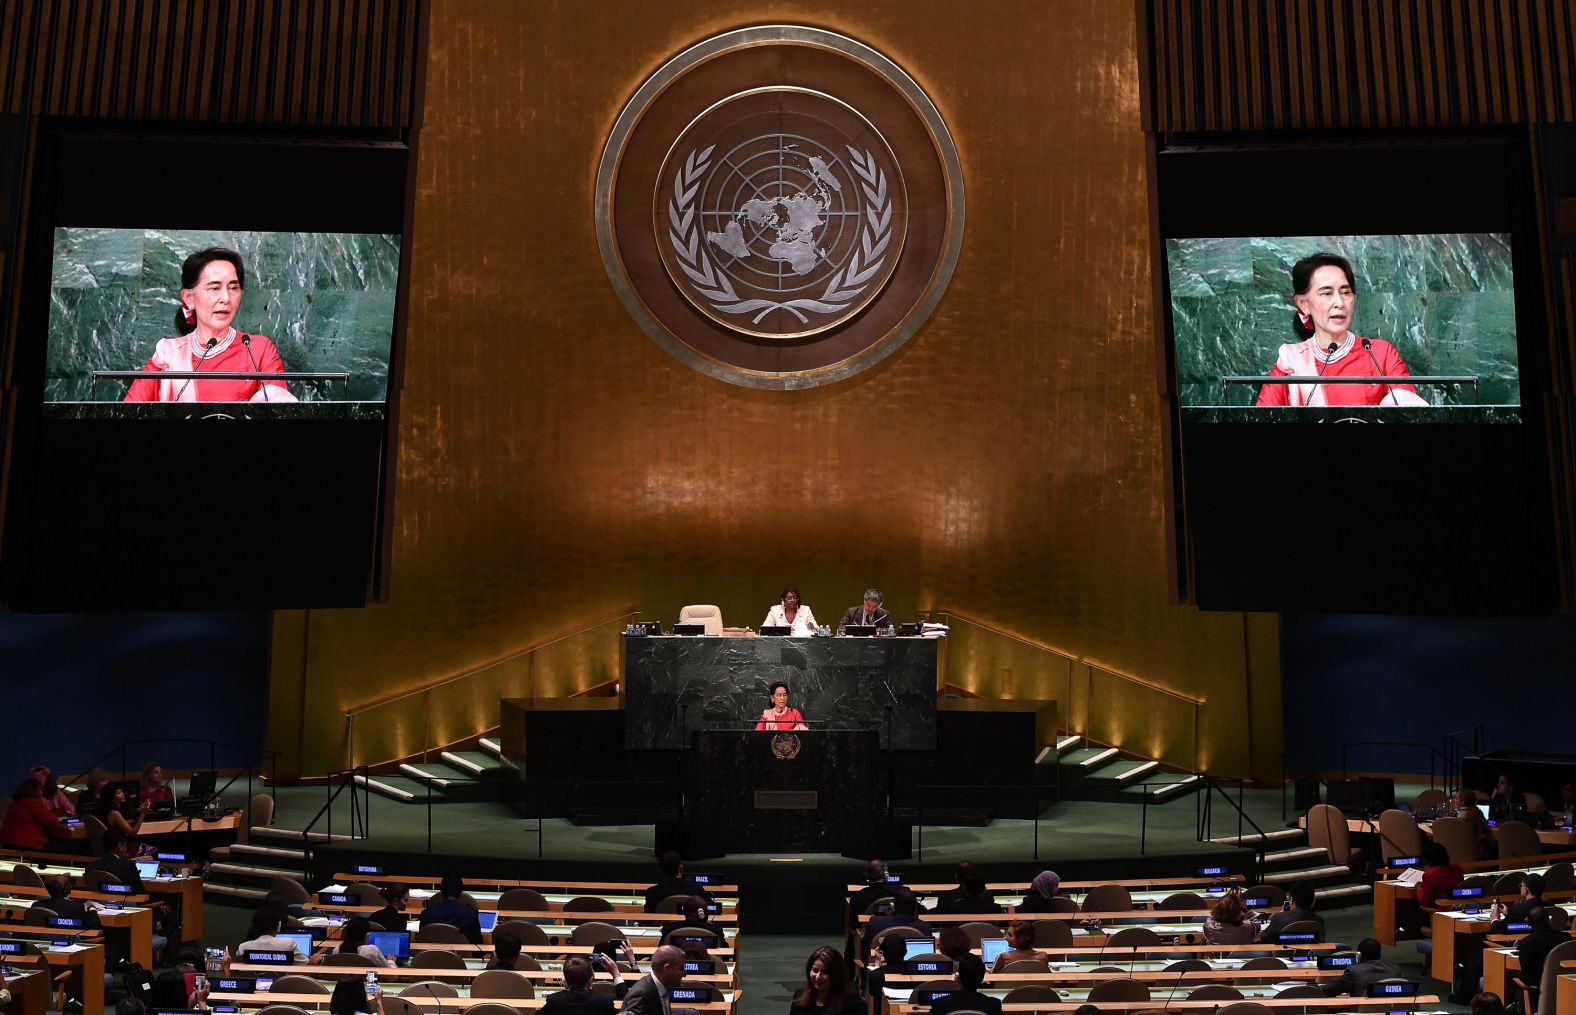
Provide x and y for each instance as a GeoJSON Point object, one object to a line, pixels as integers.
{"type": "Point", "coordinates": [780, 207]}
{"type": "Point", "coordinates": [785, 746]}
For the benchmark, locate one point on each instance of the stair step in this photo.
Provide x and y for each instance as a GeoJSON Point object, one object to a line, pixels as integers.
{"type": "Point", "coordinates": [1067, 743]}
{"type": "Point", "coordinates": [1100, 759]}
{"type": "Point", "coordinates": [442, 776]}
{"type": "Point", "coordinates": [266, 852]}
{"type": "Point", "coordinates": [1079, 755]}
{"type": "Point", "coordinates": [1342, 892]}
{"type": "Point", "coordinates": [1138, 771]}
{"type": "Point", "coordinates": [472, 763]}
{"type": "Point", "coordinates": [392, 786]}
{"type": "Point", "coordinates": [1163, 786]}
{"type": "Point", "coordinates": [235, 891]}
{"type": "Point", "coordinates": [1306, 874]}
{"type": "Point", "coordinates": [252, 871]}
{"type": "Point", "coordinates": [491, 747]}
{"type": "Point", "coordinates": [1182, 787]}
{"type": "Point", "coordinates": [275, 832]}
{"type": "Point", "coordinates": [1298, 855]}
{"type": "Point", "coordinates": [1256, 838]}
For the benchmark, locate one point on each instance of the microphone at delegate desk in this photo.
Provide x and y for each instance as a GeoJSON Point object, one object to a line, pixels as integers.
{"type": "Point", "coordinates": [780, 716]}
{"type": "Point", "coordinates": [868, 614]}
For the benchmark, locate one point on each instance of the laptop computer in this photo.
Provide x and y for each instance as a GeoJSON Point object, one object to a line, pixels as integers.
{"type": "Point", "coordinates": [689, 630]}
{"type": "Point", "coordinates": [918, 946]}
{"type": "Point", "coordinates": [394, 944]}
{"type": "Point", "coordinates": [302, 939]}
{"type": "Point", "coordinates": [990, 947]}
{"type": "Point", "coordinates": [860, 630]}
{"type": "Point", "coordinates": [776, 631]}
{"type": "Point", "coordinates": [488, 918]}
{"type": "Point", "coordinates": [148, 869]}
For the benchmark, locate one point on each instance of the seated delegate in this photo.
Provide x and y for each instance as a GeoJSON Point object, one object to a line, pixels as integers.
{"type": "Point", "coordinates": [867, 614]}
{"type": "Point", "coordinates": [791, 613]}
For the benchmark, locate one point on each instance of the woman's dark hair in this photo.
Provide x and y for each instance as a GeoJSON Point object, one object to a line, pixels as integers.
{"type": "Point", "coordinates": [270, 916]}
{"type": "Point", "coordinates": [836, 973]}
{"type": "Point", "coordinates": [777, 685]}
{"type": "Point", "coordinates": [1302, 278]}
{"type": "Point", "coordinates": [393, 893]}
{"type": "Point", "coordinates": [354, 934]}
{"type": "Point", "coordinates": [29, 787]}
{"type": "Point", "coordinates": [1487, 1003]}
{"type": "Point", "coordinates": [191, 270]}
{"type": "Point", "coordinates": [794, 589]}
{"type": "Point", "coordinates": [350, 996]}
{"type": "Point", "coordinates": [1228, 911]}
{"type": "Point", "coordinates": [1437, 855]}
{"type": "Point", "coordinates": [1020, 934]}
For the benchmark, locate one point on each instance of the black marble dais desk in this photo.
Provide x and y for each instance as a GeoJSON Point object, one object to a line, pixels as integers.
{"type": "Point", "coordinates": [676, 686]}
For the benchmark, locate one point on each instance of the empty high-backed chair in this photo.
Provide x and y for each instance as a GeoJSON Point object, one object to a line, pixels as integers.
{"type": "Point", "coordinates": [711, 616]}
{"type": "Point", "coordinates": [1399, 835]}
{"type": "Point", "coordinates": [1517, 839]}
{"type": "Point", "coordinates": [1458, 839]}
{"type": "Point", "coordinates": [1327, 830]}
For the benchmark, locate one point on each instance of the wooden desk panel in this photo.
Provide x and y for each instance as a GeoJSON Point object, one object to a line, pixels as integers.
{"type": "Point", "coordinates": [30, 989]}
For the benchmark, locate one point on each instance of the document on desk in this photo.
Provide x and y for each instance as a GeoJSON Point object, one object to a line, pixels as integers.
{"type": "Point", "coordinates": [1410, 877]}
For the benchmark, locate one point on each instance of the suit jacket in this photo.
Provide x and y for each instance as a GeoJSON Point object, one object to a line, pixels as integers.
{"type": "Point", "coordinates": [457, 913]}
{"type": "Point", "coordinates": [966, 1000]}
{"type": "Point", "coordinates": [644, 998]}
{"type": "Point", "coordinates": [1280, 921]}
{"type": "Point", "coordinates": [673, 886]}
{"type": "Point", "coordinates": [958, 901]}
{"type": "Point", "coordinates": [1356, 978]}
{"type": "Point", "coordinates": [1533, 951]}
{"type": "Point", "coordinates": [1517, 913]}
{"type": "Point", "coordinates": [122, 870]}
{"type": "Point", "coordinates": [578, 1001]}
{"type": "Point", "coordinates": [856, 615]}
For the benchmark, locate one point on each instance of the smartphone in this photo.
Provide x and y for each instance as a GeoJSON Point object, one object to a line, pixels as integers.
{"type": "Point", "coordinates": [372, 985]}
{"type": "Point", "coordinates": [200, 983]}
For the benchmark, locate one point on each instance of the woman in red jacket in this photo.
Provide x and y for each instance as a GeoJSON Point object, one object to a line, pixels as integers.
{"type": "Point", "coordinates": [28, 822]}
{"type": "Point", "coordinates": [1440, 876]}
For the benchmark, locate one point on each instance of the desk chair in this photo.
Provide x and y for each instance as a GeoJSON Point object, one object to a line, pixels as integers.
{"type": "Point", "coordinates": [1129, 937]}
{"type": "Point", "coordinates": [1532, 995]}
{"type": "Point", "coordinates": [1121, 988]}
{"type": "Point", "coordinates": [1327, 830]}
{"type": "Point", "coordinates": [502, 983]}
{"type": "Point", "coordinates": [1313, 927]}
{"type": "Point", "coordinates": [528, 933]}
{"type": "Point", "coordinates": [1107, 899]}
{"type": "Point", "coordinates": [24, 876]}
{"type": "Point", "coordinates": [977, 929]}
{"type": "Point", "coordinates": [1399, 835]}
{"type": "Point", "coordinates": [1032, 993]}
{"type": "Point", "coordinates": [492, 1008]}
{"type": "Point", "coordinates": [1182, 900]}
{"type": "Point", "coordinates": [525, 898]}
{"type": "Point", "coordinates": [1188, 966]}
{"type": "Point", "coordinates": [1053, 934]}
{"type": "Point", "coordinates": [282, 1009]}
{"type": "Point", "coordinates": [426, 988]}
{"type": "Point", "coordinates": [1244, 1008]}
{"type": "Point", "coordinates": [298, 983]}
{"type": "Point", "coordinates": [1457, 837]}
{"type": "Point", "coordinates": [1025, 966]}
{"type": "Point", "coordinates": [711, 616]}
{"type": "Point", "coordinates": [1518, 839]}
{"type": "Point", "coordinates": [95, 829]}
{"type": "Point", "coordinates": [441, 934]}
{"type": "Point", "coordinates": [393, 1005]}
{"type": "Point", "coordinates": [1267, 961]}
{"type": "Point", "coordinates": [594, 933]}
{"type": "Point", "coordinates": [259, 814]}
{"type": "Point", "coordinates": [1214, 992]}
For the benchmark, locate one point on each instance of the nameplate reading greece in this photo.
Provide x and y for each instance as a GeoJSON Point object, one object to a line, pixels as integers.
{"type": "Point", "coordinates": [780, 207]}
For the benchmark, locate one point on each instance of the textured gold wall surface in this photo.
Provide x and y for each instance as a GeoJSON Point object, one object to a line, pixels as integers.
{"type": "Point", "coordinates": [555, 465]}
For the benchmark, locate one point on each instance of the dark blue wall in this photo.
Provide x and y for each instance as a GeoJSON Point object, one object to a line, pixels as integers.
{"type": "Point", "coordinates": [1354, 678]}
{"type": "Point", "coordinates": [76, 685]}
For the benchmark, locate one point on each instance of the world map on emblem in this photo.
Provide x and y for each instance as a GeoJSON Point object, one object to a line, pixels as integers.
{"type": "Point", "coordinates": [779, 219]}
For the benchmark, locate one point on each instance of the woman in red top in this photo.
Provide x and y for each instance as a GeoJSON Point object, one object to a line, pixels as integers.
{"type": "Point", "coordinates": [212, 284]}
{"type": "Point", "coordinates": [779, 716]}
{"type": "Point", "coordinates": [152, 794]}
{"type": "Point", "coordinates": [28, 823]}
{"type": "Point", "coordinates": [1440, 876]}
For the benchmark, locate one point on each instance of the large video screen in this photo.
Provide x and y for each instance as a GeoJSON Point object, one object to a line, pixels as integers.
{"type": "Point", "coordinates": [1424, 320]}
{"type": "Point", "coordinates": [317, 308]}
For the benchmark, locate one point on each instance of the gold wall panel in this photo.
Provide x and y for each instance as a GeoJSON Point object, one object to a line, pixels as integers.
{"type": "Point", "coordinates": [555, 464]}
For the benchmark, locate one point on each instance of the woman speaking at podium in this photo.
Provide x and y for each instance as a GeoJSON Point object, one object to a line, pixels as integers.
{"type": "Point", "coordinates": [212, 284]}
{"type": "Point", "coordinates": [1326, 298]}
{"type": "Point", "coordinates": [779, 716]}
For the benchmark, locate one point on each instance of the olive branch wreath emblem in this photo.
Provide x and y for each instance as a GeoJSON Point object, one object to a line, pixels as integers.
{"type": "Point", "coordinates": [716, 288]}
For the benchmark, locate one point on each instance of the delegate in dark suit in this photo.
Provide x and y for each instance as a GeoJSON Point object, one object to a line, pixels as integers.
{"type": "Point", "coordinates": [1356, 978]}
{"type": "Point", "coordinates": [121, 870]}
{"type": "Point", "coordinates": [76, 909]}
{"type": "Point", "coordinates": [856, 616]}
{"type": "Point", "coordinates": [645, 997]}
{"type": "Point", "coordinates": [457, 913]}
{"type": "Point", "coordinates": [578, 1001]}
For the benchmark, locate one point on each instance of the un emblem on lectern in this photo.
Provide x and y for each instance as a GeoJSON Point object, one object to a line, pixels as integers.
{"type": "Point", "coordinates": [785, 746]}
{"type": "Point", "coordinates": [780, 207]}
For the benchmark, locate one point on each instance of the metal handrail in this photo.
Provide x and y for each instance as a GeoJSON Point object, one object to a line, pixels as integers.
{"type": "Point", "coordinates": [426, 691]}
{"type": "Point", "coordinates": [1093, 667]}
{"type": "Point", "coordinates": [272, 757]}
{"type": "Point", "coordinates": [328, 810]}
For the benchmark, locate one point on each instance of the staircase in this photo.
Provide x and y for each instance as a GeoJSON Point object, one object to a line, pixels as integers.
{"type": "Point", "coordinates": [1107, 774]}
{"type": "Point", "coordinates": [245, 875]}
{"type": "Point", "coordinates": [1289, 859]}
{"type": "Point", "coordinates": [454, 776]}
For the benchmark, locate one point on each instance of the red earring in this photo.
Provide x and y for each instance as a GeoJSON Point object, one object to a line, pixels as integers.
{"type": "Point", "coordinates": [190, 316]}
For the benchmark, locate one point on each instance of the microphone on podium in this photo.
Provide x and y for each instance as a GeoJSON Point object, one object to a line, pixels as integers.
{"type": "Point", "coordinates": [246, 340]}
{"type": "Point", "coordinates": [1328, 352]}
{"type": "Point", "coordinates": [206, 350]}
{"type": "Point", "coordinates": [1368, 347]}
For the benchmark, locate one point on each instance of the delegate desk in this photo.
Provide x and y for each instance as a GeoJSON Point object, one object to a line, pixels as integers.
{"type": "Point", "coordinates": [1398, 914]}
{"type": "Point", "coordinates": [1297, 1004]}
{"type": "Point", "coordinates": [84, 965]}
{"type": "Point", "coordinates": [675, 687]}
{"type": "Point", "coordinates": [29, 990]}
{"type": "Point", "coordinates": [133, 925]}
{"type": "Point", "coordinates": [427, 1003]}
{"type": "Point", "coordinates": [184, 892]}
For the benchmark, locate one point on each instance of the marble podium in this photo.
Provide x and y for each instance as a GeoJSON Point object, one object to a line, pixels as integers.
{"type": "Point", "coordinates": [675, 686]}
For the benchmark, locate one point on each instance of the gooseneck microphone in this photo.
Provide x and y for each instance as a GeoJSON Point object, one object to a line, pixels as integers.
{"type": "Point", "coordinates": [1328, 352]}
{"type": "Point", "coordinates": [435, 998]}
{"type": "Point", "coordinates": [246, 340]}
{"type": "Point", "coordinates": [1174, 988]}
{"type": "Point", "coordinates": [1389, 392]}
{"type": "Point", "coordinates": [206, 350]}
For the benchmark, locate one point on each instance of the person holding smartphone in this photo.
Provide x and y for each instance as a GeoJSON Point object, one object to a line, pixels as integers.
{"type": "Point", "coordinates": [352, 997]}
